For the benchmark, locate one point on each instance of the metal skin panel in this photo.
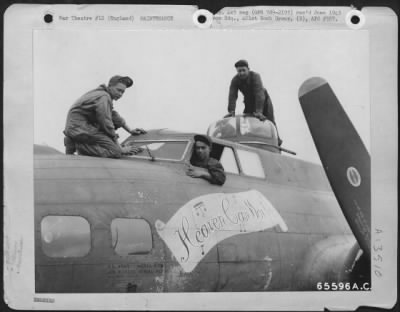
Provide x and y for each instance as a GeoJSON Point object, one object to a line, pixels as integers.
{"type": "Point", "coordinates": [203, 278]}
{"type": "Point", "coordinates": [293, 248]}
{"type": "Point", "coordinates": [254, 252]}
{"type": "Point", "coordinates": [235, 276]}
{"type": "Point", "coordinates": [54, 278]}
{"type": "Point", "coordinates": [102, 270]}
{"type": "Point", "coordinates": [101, 190]}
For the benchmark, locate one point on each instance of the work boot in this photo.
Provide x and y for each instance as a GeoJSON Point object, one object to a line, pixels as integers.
{"type": "Point", "coordinates": [69, 144]}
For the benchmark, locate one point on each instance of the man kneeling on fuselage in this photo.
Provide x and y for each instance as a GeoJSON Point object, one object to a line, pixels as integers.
{"type": "Point", "coordinates": [214, 172]}
{"type": "Point", "coordinates": [92, 121]}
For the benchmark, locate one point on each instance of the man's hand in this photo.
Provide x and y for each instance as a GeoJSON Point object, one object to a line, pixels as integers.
{"type": "Point", "coordinates": [137, 131]}
{"type": "Point", "coordinates": [193, 172]}
{"type": "Point", "coordinates": [115, 138]}
{"type": "Point", "coordinates": [131, 150]}
{"type": "Point", "coordinates": [260, 116]}
{"type": "Point", "coordinates": [230, 114]}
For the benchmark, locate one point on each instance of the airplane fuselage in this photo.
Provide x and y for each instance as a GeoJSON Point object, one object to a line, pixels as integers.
{"type": "Point", "coordinates": [313, 243]}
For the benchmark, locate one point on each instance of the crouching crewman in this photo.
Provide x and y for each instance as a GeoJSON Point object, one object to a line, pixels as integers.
{"type": "Point", "coordinates": [92, 121]}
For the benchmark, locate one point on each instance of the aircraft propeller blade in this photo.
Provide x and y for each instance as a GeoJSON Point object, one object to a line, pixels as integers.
{"type": "Point", "coordinates": [344, 157]}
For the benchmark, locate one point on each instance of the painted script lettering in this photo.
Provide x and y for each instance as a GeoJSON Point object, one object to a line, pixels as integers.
{"type": "Point", "coordinates": [204, 221]}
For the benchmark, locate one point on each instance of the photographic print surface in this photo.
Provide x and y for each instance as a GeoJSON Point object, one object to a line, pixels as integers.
{"type": "Point", "coordinates": [226, 160]}
{"type": "Point", "coordinates": [181, 81]}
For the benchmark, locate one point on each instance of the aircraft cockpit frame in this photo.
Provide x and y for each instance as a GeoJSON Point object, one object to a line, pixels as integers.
{"type": "Point", "coordinates": [241, 161]}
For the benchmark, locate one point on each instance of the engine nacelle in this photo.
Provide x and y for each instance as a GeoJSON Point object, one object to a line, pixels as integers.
{"type": "Point", "coordinates": [336, 259]}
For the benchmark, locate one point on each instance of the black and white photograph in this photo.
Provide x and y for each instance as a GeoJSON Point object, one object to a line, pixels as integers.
{"type": "Point", "coordinates": [219, 160]}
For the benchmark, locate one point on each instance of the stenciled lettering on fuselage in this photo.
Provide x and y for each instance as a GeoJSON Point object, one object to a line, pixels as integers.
{"type": "Point", "coordinates": [206, 220]}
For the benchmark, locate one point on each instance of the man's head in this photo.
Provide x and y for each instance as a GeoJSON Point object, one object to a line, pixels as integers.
{"type": "Point", "coordinates": [202, 147]}
{"type": "Point", "coordinates": [242, 68]}
{"type": "Point", "coordinates": [117, 86]}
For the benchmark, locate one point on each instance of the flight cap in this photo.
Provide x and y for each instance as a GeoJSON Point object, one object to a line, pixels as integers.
{"type": "Point", "coordinates": [123, 79]}
{"type": "Point", "coordinates": [241, 63]}
{"type": "Point", "coordinates": [202, 138]}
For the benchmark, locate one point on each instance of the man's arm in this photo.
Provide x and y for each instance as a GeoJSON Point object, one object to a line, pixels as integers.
{"type": "Point", "coordinates": [217, 173]}
{"type": "Point", "coordinates": [233, 94]}
{"type": "Point", "coordinates": [119, 122]}
{"type": "Point", "coordinates": [214, 174]}
{"type": "Point", "coordinates": [258, 91]}
{"type": "Point", "coordinates": [269, 110]}
{"type": "Point", "coordinates": [104, 116]}
{"type": "Point", "coordinates": [198, 172]}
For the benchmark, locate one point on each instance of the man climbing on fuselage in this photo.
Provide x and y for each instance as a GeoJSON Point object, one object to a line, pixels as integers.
{"type": "Point", "coordinates": [256, 98]}
{"type": "Point", "coordinates": [92, 121]}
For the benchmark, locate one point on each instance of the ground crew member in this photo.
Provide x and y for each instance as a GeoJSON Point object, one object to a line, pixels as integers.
{"type": "Point", "coordinates": [215, 173]}
{"type": "Point", "coordinates": [92, 121]}
{"type": "Point", "coordinates": [256, 98]}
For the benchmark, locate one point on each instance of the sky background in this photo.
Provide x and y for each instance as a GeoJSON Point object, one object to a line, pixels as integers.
{"type": "Point", "coordinates": [181, 77]}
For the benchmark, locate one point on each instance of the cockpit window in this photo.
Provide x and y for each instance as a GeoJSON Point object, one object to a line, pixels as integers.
{"type": "Point", "coordinates": [223, 128]}
{"type": "Point", "coordinates": [228, 161]}
{"type": "Point", "coordinates": [251, 163]}
{"type": "Point", "coordinates": [131, 236]}
{"type": "Point", "coordinates": [226, 157]}
{"type": "Point", "coordinates": [65, 236]}
{"type": "Point", "coordinates": [162, 150]}
{"type": "Point", "coordinates": [255, 127]}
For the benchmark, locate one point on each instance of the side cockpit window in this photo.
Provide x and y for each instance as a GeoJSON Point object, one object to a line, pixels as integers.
{"type": "Point", "coordinates": [65, 236]}
{"type": "Point", "coordinates": [131, 236]}
{"type": "Point", "coordinates": [226, 157]}
{"type": "Point", "coordinates": [160, 150]}
{"type": "Point", "coordinates": [251, 163]}
{"type": "Point", "coordinates": [228, 161]}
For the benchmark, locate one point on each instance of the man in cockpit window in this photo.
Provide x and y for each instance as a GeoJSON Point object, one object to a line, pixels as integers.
{"type": "Point", "coordinates": [92, 121]}
{"type": "Point", "coordinates": [214, 172]}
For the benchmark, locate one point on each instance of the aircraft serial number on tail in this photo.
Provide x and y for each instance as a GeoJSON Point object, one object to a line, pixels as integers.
{"type": "Point", "coordinates": [206, 220]}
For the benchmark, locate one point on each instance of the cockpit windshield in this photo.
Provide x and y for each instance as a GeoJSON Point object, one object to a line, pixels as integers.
{"type": "Point", "coordinates": [161, 150]}
{"type": "Point", "coordinates": [223, 128]}
{"type": "Point", "coordinates": [257, 128]}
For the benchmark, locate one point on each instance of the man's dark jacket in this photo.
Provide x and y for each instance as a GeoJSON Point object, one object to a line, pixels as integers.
{"type": "Point", "coordinates": [256, 97]}
{"type": "Point", "coordinates": [215, 169]}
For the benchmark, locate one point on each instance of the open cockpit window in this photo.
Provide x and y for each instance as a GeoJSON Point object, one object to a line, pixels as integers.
{"type": "Point", "coordinates": [131, 236]}
{"type": "Point", "coordinates": [226, 157]}
{"type": "Point", "coordinates": [65, 236]}
{"type": "Point", "coordinates": [161, 150]}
